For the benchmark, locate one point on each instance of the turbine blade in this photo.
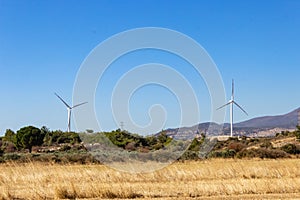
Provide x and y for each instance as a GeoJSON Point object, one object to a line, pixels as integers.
{"type": "Point", "coordinates": [62, 100]}
{"type": "Point", "coordinates": [79, 104]}
{"type": "Point", "coordinates": [240, 107]}
{"type": "Point", "coordinates": [224, 105]}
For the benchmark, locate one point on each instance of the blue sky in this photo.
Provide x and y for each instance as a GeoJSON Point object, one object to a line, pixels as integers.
{"type": "Point", "coordinates": [43, 43]}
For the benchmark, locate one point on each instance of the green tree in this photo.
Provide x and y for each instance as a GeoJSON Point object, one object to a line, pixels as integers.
{"type": "Point", "coordinates": [45, 130]}
{"type": "Point", "coordinates": [195, 145]}
{"type": "Point", "coordinates": [29, 136]}
{"type": "Point", "coordinates": [9, 136]}
{"type": "Point", "coordinates": [164, 139]}
{"type": "Point", "coordinates": [47, 135]}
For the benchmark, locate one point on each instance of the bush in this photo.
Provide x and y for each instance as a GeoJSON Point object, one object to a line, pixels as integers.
{"type": "Point", "coordinates": [11, 156]}
{"type": "Point", "coordinates": [66, 137]}
{"type": "Point", "coordinates": [9, 147]}
{"type": "Point", "coordinates": [282, 133]}
{"type": "Point", "coordinates": [297, 133]}
{"type": "Point", "coordinates": [189, 155]}
{"type": "Point", "coordinates": [262, 153]}
{"type": "Point", "coordinates": [65, 148]}
{"type": "Point", "coordinates": [228, 153]}
{"type": "Point", "coordinates": [195, 145]}
{"type": "Point", "coordinates": [266, 144]}
{"type": "Point", "coordinates": [291, 149]}
{"type": "Point", "coordinates": [236, 146]}
{"type": "Point", "coordinates": [59, 137]}
{"type": "Point", "coordinates": [9, 136]}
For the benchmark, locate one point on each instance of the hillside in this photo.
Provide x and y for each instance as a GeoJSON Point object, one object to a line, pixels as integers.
{"type": "Point", "coordinates": [257, 127]}
{"type": "Point", "coordinates": [288, 121]}
{"type": "Point", "coordinates": [259, 139]}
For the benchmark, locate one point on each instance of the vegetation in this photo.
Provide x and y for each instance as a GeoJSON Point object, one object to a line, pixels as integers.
{"type": "Point", "coordinates": [291, 148]}
{"type": "Point", "coordinates": [59, 137]}
{"type": "Point", "coordinates": [284, 145]}
{"type": "Point", "coordinates": [28, 137]}
{"type": "Point", "coordinates": [62, 147]}
{"type": "Point", "coordinates": [297, 133]}
{"type": "Point", "coordinates": [209, 179]}
{"type": "Point", "coordinates": [133, 142]}
{"type": "Point", "coordinates": [49, 172]}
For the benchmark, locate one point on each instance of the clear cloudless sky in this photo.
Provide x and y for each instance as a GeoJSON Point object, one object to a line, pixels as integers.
{"type": "Point", "coordinates": [43, 43]}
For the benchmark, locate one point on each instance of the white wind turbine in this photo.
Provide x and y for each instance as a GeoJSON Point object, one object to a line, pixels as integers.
{"type": "Point", "coordinates": [231, 102]}
{"type": "Point", "coordinates": [69, 108]}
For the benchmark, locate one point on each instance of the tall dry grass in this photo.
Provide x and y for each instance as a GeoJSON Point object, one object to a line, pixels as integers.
{"type": "Point", "coordinates": [210, 179]}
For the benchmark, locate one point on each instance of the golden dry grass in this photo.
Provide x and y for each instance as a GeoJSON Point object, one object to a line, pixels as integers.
{"type": "Point", "coordinates": [210, 179]}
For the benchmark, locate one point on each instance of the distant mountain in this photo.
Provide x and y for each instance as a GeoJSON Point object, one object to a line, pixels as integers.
{"type": "Point", "coordinates": [260, 126]}
{"type": "Point", "coordinates": [210, 128]}
{"type": "Point", "coordinates": [288, 121]}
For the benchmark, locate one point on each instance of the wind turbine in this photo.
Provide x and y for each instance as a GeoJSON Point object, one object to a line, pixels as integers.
{"type": "Point", "coordinates": [231, 102]}
{"type": "Point", "coordinates": [69, 108]}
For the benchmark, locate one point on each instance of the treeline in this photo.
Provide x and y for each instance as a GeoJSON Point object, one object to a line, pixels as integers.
{"type": "Point", "coordinates": [135, 142]}
{"type": "Point", "coordinates": [28, 137]}
{"type": "Point", "coordinates": [44, 144]}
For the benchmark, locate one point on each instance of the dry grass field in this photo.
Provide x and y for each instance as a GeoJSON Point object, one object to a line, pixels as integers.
{"type": "Point", "coordinates": [209, 179]}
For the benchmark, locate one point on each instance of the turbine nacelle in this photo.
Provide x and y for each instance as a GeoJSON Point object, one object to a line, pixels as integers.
{"type": "Point", "coordinates": [69, 108]}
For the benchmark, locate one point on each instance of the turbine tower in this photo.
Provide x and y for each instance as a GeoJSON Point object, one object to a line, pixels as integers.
{"type": "Point", "coordinates": [69, 108]}
{"type": "Point", "coordinates": [231, 103]}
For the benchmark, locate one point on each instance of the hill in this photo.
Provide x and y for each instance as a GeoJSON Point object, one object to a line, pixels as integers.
{"type": "Point", "coordinates": [288, 121]}
{"type": "Point", "coordinates": [261, 126]}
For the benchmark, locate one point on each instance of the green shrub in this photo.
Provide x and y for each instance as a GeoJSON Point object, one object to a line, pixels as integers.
{"type": "Point", "coordinates": [291, 149]}
{"type": "Point", "coordinates": [297, 133]}
{"type": "Point", "coordinates": [133, 142]}
{"type": "Point", "coordinates": [228, 153]}
{"type": "Point", "coordinates": [11, 156]}
{"type": "Point", "coordinates": [9, 136]}
{"type": "Point", "coordinates": [266, 144]}
{"type": "Point", "coordinates": [195, 145]}
{"type": "Point", "coordinates": [262, 153]}
{"type": "Point", "coordinates": [189, 155]}
{"type": "Point", "coordinates": [59, 137]}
